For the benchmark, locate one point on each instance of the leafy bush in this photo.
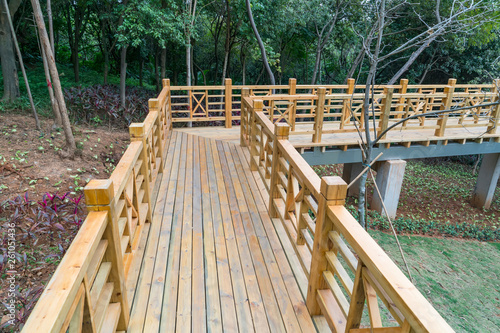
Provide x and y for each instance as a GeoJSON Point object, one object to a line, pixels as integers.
{"type": "Point", "coordinates": [101, 104]}
{"type": "Point", "coordinates": [421, 226]}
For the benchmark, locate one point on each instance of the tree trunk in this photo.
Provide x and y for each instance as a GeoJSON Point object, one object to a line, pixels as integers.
{"type": "Point", "coordinates": [53, 101]}
{"type": "Point", "coordinates": [163, 62]}
{"type": "Point", "coordinates": [123, 75]}
{"type": "Point", "coordinates": [188, 61]}
{"type": "Point", "coordinates": [51, 28]}
{"type": "Point", "coordinates": [141, 73]}
{"type": "Point", "coordinates": [44, 39]}
{"type": "Point", "coordinates": [317, 62]}
{"type": "Point", "coordinates": [261, 44]}
{"type": "Point", "coordinates": [21, 63]}
{"type": "Point", "coordinates": [157, 74]}
{"type": "Point", "coordinates": [7, 55]}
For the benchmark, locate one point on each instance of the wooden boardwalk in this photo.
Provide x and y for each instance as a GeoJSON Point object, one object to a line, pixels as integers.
{"type": "Point", "coordinates": [213, 260]}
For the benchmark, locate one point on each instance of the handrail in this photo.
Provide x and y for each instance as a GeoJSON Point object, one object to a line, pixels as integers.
{"type": "Point", "coordinates": [88, 291]}
{"type": "Point", "coordinates": [328, 241]}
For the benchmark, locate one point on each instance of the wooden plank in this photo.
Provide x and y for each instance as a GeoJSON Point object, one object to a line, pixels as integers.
{"type": "Point", "coordinates": [111, 319]}
{"type": "Point", "coordinates": [147, 264]}
{"type": "Point", "coordinates": [199, 314]}
{"type": "Point", "coordinates": [268, 274]}
{"type": "Point", "coordinates": [213, 302]}
{"type": "Point", "coordinates": [224, 272]}
{"type": "Point", "coordinates": [270, 244]}
{"type": "Point", "coordinates": [331, 310]}
{"type": "Point", "coordinates": [260, 297]}
{"type": "Point", "coordinates": [170, 292]}
{"type": "Point", "coordinates": [96, 260]}
{"type": "Point", "coordinates": [245, 322]}
{"type": "Point", "coordinates": [372, 304]}
{"type": "Point", "coordinates": [183, 322]}
{"type": "Point", "coordinates": [163, 217]}
{"type": "Point", "coordinates": [99, 282]}
{"type": "Point", "coordinates": [340, 271]}
{"type": "Point", "coordinates": [337, 292]}
{"type": "Point", "coordinates": [102, 305]}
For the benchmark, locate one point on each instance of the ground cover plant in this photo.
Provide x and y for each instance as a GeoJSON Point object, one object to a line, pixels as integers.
{"type": "Point", "coordinates": [434, 200]}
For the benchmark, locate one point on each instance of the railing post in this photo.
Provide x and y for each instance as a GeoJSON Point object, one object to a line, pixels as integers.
{"type": "Point", "coordinates": [495, 113]}
{"type": "Point", "coordinates": [244, 122]}
{"type": "Point", "coordinates": [258, 106]}
{"type": "Point", "coordinates": [386, 110]}
{"type": "Point", "coordinates": [346, 104]}
{"type": "Point", "coordinates": [404, 87]}
{"type": "Point", "coordinates": [99, 196]}
{"type": "Point", "coordinates": [228, 102]}
{"type": "Point", "coordinates": [333, 192]}
{"type": "Point", "coordinates": [446, 104]}
{"type": "Point", "coordinates": [137, 133]}
{"type": "Point", "coordinates": [281, 132]}
{"type": "Point", "coordinates": [292, 83]}
{"type": "Point", "coordinates": [320, 113]}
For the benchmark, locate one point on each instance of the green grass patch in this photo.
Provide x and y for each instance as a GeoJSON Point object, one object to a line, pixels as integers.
{"type": "Point", "coordinates": [460, 278]}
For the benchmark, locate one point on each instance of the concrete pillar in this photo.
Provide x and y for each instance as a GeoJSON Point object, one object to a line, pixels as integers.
{"type": "Point", "coordinates": [351, 171]}
{"type": "Point", "coordinates": [389, 181]}
{"type": "Point", "coordinates": [486, 181]}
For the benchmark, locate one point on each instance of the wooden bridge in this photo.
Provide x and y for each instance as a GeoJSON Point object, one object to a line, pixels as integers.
{"type": "Point", "coordinates": [196, 233]}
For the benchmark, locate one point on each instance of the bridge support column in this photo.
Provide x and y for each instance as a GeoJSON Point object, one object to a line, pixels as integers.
{"type": "Point", "coordinates": [351, 171]}
{"type": "Point", "coordinates": [389, 181]}
{"type": "Point", "coordinates": [486, 181]}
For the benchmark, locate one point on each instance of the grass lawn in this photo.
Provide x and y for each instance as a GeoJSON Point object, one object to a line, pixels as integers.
{"type": "Point", "coordinates": [461, 278]}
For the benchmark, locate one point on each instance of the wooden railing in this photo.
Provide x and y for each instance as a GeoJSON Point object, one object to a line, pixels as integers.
{"type": "Point", "coordinates": [345, 267]}
{"type": "Point", "coordinates": [334, 109]}
{"type": "Point", "coordinates": [91, 289]}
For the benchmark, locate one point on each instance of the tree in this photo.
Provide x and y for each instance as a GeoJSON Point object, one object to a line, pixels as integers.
{"type": "Point", "coordinates": [261, 44]}
{"type": "Point", "coordinates": [461, 15]}
{"type": "Point", "coordinates": [7, 55]}
{"type": "Point", "coordinates": [44, 40]}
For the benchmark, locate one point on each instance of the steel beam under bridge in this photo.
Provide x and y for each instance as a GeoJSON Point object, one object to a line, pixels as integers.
{"type": "Point", "coordinates": [316, 156]}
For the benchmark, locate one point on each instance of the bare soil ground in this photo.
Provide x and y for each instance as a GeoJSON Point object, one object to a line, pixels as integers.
{"type": "Point", "coordinates": [32, 174]}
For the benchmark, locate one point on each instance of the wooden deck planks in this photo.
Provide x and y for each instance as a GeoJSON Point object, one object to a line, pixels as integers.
{"type": "Point", "coordinates": [213, 260]}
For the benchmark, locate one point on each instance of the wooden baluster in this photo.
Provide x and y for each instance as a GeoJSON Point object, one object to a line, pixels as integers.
{"type": "Point", "coordinates": [495, 114]}
{"type": "Point", "coordinates": [244, 122]}
{"type": "Point", "coordinates": [254, 153]}
{"type": "Point", "coordinates": [137, 133]}
{"type": "Point", "coordinates": [228, 102]}
{"type": "Point", "coordinates": [167, 108]}
{"type": "Point", "coordinates": [154, 105]}
{"type": "Point", "coordinates": [292, 83]}
{"type": "Point", "coordinates": [386, 110]}
{"type": "Point", "coordinates": [333, 192]}
{"type": "Point", "coordinates": [357, 300]}
{"type": "Point", "coordinates": [402, 91]}
{"type": "Point", "coordinates": [304, 209]}
{"type": "Point", "coordinates": [281, 132]}
{"type": "Point", "coordinates": [346, 114]}
{"type": "Point", "coordinates": [319, 115]}
{"type": "Point", "coordinates": [446, 104]}
{"type": "Point", "coordinates": [99, 196]}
